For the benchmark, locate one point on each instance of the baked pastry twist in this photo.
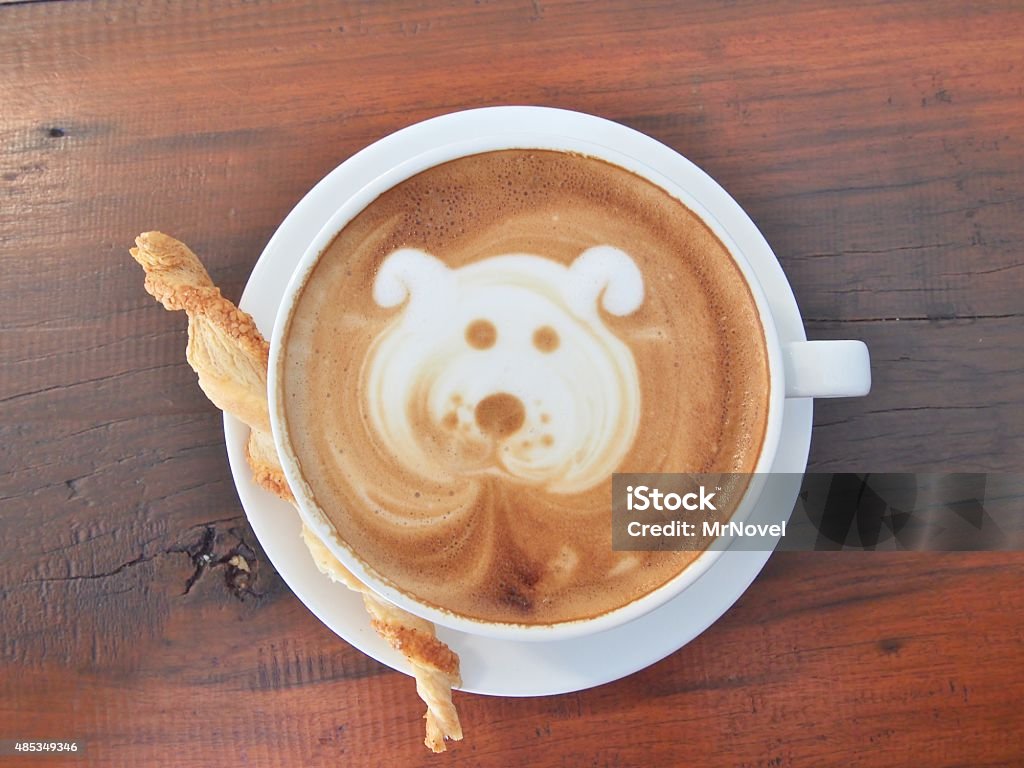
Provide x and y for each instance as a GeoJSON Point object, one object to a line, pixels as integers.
{"type": "Point", "coordinates": [230, 356]}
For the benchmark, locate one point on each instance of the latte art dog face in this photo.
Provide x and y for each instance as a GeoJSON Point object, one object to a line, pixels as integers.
{"type": "Point", "coordinates": [506, 367]}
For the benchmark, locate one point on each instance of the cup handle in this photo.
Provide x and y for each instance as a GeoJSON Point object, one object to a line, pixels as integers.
{"type": "Point", "coordinates": [826, 369]}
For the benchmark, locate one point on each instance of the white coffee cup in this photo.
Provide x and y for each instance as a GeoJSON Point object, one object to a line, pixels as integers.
{"type": "Point", "coordinates": [796, 370]}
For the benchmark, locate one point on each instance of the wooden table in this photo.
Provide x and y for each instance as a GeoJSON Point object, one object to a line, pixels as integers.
{"type": "Point", "coordinates": [877, 145]}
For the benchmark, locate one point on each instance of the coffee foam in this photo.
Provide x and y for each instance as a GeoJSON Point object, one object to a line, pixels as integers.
{"type": "Point", "coordinates": [504, 367]}
{"type": "Point", "coordinates": [479, 350]}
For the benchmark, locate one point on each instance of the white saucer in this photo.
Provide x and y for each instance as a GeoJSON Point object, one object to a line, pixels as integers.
{"type": "Point", "coordinates": [497, 667]}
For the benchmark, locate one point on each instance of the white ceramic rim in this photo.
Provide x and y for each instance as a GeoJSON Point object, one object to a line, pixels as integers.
{"type": "Point", "coordinates": [527, 139]}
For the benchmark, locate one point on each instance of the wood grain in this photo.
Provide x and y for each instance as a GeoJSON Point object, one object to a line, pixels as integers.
{"type": "Point", "coordinates": [878, 147]}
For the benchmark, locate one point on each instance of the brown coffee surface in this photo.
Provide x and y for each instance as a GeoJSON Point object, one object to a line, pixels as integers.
{"type": "Point", "coordinates": [425, 428]}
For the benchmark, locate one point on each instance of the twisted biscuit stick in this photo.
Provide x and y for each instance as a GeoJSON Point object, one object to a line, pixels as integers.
{"type": "Point", "coordinates": [230, 356]}
{"type": "Point", "coordinates": [437, 666]}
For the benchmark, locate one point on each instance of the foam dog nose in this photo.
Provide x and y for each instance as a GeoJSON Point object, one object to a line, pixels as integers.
{"type": "Point", "coordinates": [500, 414]}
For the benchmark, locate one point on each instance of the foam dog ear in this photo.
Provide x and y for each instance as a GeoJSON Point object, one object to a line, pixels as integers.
{"type": "Point", "coordinates": [612, 275]}
{"type": "Point", "coordinates": [407, 272]}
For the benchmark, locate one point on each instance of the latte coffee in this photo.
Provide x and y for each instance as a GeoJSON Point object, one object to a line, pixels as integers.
{"type": "Point", "coordinates": [480, 348]}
